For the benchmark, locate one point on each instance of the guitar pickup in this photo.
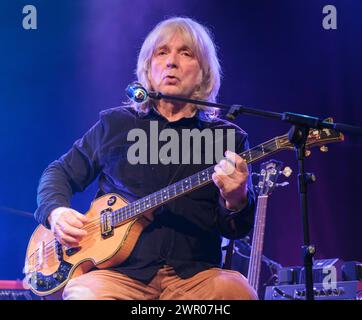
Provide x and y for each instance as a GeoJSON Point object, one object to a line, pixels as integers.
{"type": "Point", "coordinates": [106, 224]}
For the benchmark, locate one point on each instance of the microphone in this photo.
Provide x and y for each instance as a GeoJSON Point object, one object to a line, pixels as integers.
{"type": "Point", "coordinates": [136, 92]}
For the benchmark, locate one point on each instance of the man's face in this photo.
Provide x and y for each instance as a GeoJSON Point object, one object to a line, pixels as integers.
{"type": "Point", "coordinates": [175, 69]}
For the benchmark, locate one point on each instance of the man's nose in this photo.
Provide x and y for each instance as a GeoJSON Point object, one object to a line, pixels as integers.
{"type": "Point", "coordinates": [171, 61]}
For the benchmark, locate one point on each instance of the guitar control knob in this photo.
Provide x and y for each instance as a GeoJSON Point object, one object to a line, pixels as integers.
{"type": "Point", "coordinates": [323, 149]}
{"type": "Point", "coordinates": [40, 282]}
{"type": "Point", "coordinates": [58, 276]}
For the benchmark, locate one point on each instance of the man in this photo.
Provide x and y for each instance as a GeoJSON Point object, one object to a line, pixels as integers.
{"type": "Point", "coordinates": [178, 255]}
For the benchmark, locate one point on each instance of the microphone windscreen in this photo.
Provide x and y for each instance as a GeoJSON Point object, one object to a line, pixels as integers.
{"type": "Point", "coordinates": [136, 92]}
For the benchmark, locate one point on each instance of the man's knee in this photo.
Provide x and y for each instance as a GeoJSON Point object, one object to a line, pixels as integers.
{"type": "Point", "coordinates": [233, 287]}
{"type": "Point", "coordinates": [75, 290]}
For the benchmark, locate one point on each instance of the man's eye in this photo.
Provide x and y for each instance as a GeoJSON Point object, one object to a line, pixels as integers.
{"type": "Point", "coordinates": [186, 53]}
{"type": "Point", "coordinates": [161, 53]}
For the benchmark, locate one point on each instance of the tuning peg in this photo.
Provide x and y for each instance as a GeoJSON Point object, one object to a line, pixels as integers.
{"type": "Point", "coordinates": [323, 148]}
{"type": "Point", "coordinates": [287, 171]}
{"type": "Point", "coordinates": [283, 184]}
{"type": "Point", "coordinates": [308, 153]}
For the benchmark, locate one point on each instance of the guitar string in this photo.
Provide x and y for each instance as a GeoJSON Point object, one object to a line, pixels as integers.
{"type": "Point", "coordinates": [94, 223]}
{"type": "Point", "coordinates": [255, 260]}
{"type": "Point", "coordinates": [253, 248]}
{"type": "Point", "coordinates": [260, 244]}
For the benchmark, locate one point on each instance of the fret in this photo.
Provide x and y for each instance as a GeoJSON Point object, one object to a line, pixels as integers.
{"type": "Point", "coordinates": [125, 213]}
{"type": "Point", "coordinates": [270, 146]}
{"type": "Point", "coordinates": [154, 197]}
{"type": "Point", "coordinates": [170, 191]}
{"type": "Point", "coordinates": [121, 213]}
{"type": "Point", "coordinates": [195, 180]}
{"type": "Point", "coordinates": [198, 178]}
{"type": "Point", "coordinates": [129, 212]}
{"type": "Point", "coordinates": [176, 190]}
{"type": "Point", "coordinates": [276, 143]}
{"type": "Point", "coordinates": [114, 218]}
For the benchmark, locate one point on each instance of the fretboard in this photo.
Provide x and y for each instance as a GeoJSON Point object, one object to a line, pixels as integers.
{"type": "Point", "coordinates": [188, 184]}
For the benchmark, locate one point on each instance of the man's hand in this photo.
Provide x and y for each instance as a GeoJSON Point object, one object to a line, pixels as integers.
{"type": "Point", "coordinates": [231, 177]}
{"type": "Point", "coordinates": [67, 224]}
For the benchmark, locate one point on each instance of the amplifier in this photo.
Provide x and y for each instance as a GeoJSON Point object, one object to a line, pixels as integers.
{"type": "Point", "coordinates": [343, 290]}
{"type": "Point", "coordinates": [14, 290]}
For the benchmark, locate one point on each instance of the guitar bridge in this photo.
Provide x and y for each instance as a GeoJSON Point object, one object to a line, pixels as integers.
{"type": "Point", "coordinates": [106, 223]}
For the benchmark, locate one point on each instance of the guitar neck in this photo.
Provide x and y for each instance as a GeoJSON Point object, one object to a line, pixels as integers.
{"type": "Point", "coordinates": [258, 242]}
{"type": "Point", "coordinates": [189, 184]}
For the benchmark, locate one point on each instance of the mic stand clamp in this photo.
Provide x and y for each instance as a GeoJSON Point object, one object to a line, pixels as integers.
{"type": "Point", "coordinates": [298, 136]}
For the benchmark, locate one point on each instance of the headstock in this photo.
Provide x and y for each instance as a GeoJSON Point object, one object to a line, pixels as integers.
{"type": "Point", "coordinates": [269, 173]}
{"type": "Point", "coordinates": [316, 137]}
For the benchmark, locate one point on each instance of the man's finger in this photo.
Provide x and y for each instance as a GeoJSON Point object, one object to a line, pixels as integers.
{"type": "Point", "coordinates": [218, 181]}
{"type": "Point", "coordinates": [240, 163]}
{"type": "Point", "coordinates": [74, 232]}
{"type": "Point", "coordinates": [66, 239]}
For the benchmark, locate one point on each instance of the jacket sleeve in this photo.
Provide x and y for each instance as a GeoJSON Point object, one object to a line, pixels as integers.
{"type": "Point", "coordinates": [71, 173]}
{"type": "Point", "coordinates": [237, 224]}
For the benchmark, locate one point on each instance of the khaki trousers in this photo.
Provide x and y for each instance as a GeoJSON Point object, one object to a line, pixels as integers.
{"type": "Point", "coordinates": [211, 284]}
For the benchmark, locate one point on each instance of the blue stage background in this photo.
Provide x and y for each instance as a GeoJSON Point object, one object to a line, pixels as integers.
{"type": "Point", "coordinates": [275, 55]}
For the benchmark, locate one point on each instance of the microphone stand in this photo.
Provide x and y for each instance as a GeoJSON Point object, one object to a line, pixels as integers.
{"type": "Point", "coordinates": [297, 135]}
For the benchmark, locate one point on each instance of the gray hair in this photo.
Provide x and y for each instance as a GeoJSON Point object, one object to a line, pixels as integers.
{"type": "Point", "coordinates": [203, 46]}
